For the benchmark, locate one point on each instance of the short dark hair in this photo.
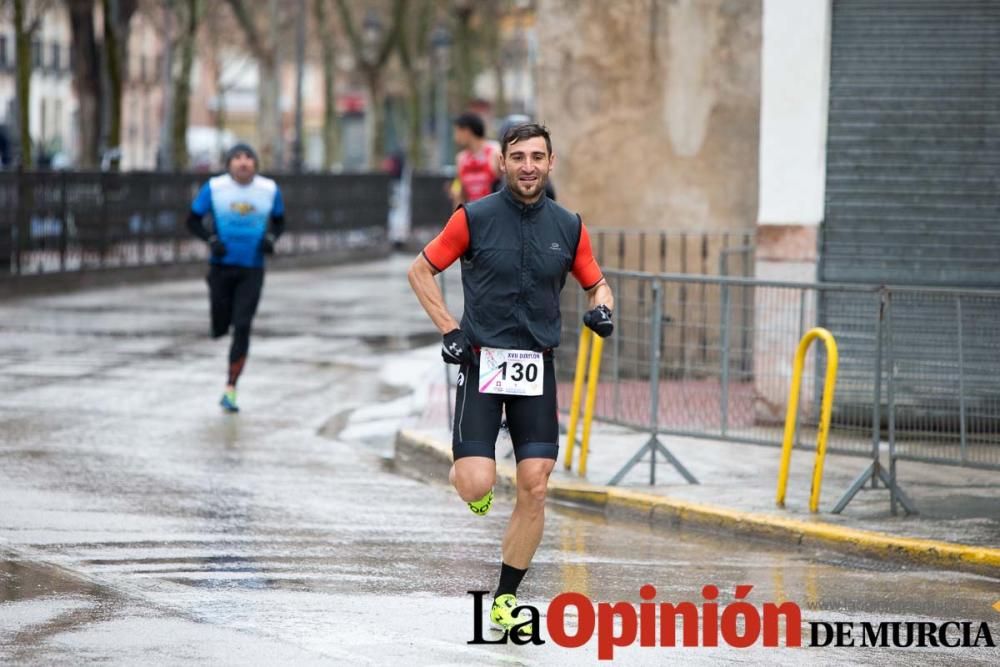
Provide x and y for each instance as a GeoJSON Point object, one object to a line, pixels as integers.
{"type": "Point", "coordinates": [525, 131]}
{"type": "Point", "coordinates": [472, 122]}
{"type": "Point", "coordinates": [241, 148]}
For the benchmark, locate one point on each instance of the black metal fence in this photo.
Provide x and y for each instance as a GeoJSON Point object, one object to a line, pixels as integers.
{"type": "Point", "coordinates": [58, 222]}
{"type": "Point", "coordinates": [430, 206]}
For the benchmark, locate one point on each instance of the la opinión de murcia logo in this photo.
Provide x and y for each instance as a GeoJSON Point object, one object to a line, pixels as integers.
{"type": "Point", "coordinates": [738, 624]}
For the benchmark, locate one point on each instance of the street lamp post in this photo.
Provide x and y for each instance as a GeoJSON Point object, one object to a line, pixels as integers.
{"type": "Point", "coordinates": [441, 43]}
{"type": "Point", "coordinates": [300, 58]}
{"type": "Point", "coordinates": [371, 35]}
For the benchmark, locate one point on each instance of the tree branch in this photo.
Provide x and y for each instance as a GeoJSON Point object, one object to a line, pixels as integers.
{"type": "Point", "coordinates": [398, 15]}
{"type": "Point", "coordinates": [357, 46]}
{"type": "Point", "coordinates": [254, 40]}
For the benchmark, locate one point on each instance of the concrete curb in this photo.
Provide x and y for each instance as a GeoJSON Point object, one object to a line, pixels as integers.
{"type": "Point", "coordinates": [431, 459]}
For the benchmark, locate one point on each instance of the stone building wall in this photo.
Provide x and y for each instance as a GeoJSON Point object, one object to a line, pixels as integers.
{"type": "Point", "coordinates": [654, 108]}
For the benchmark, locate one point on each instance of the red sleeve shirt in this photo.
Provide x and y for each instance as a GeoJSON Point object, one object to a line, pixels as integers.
{"type": "Point", "coordinates": [585, 268]}
{"type": "Point", "coordinates": [453, 241]}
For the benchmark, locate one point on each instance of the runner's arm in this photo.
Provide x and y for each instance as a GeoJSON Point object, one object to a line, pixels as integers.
{"type": "Point", "coordinates": [601, 295]}
{"type": "Point", "coordinates": [439, 254]}
{"type": "Point", "coordinates": [201, 205]}
{"type": "Point", "coordinates": [277, 226]}
{"type": "Point", "coordinates": [589, 275]}
{"type": "Point", "coordinates": [197, 227]}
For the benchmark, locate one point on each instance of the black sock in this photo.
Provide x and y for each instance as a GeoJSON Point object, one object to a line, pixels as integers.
{"type": "Point", "coordinates": [510, 579]}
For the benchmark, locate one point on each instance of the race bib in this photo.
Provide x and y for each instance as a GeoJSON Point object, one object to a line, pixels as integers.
{"type": "Point", "coordinates": [515, 372]}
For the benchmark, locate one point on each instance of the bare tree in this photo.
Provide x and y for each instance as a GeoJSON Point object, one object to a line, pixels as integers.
{"type": "Point", "coordinates": [22, 47]}
{"type": "Point", "coordinates": [466, 63]}
{"type": "Point", "coordinates": [494, 50]}
{"type": "Point", "coordinates": [117, 15]}
{"type": "Point", "coordinates": [372, 59]}
{"type": "Point", "coordinates": [25, 28]}
{"type": "Point", "coordinates": [413, 46]}
{"type": "Point", "coordinates": [86, 79]}
{"type": "Point", "coordinates": [268, 85]}
{"type": "Point", "coordinates": [227, 72]}
{"type": "Point", "coordinates": [331, 126]}
{"type": "Point", "coordinates": [188, 13]}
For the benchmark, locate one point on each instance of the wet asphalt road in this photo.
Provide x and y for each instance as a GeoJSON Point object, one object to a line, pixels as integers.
{"type": "Point", "coordinates": [140, 525]}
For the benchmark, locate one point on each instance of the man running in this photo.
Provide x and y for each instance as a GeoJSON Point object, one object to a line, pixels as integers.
{"type": "Point", "coordinates": [516, 247]}
{"type": "Point", "coordinates": [248, 217]}
{"type": "Point", "coordinates": [477, 163]}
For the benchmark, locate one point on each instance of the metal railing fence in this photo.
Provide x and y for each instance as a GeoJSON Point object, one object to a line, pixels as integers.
{"type": "Point", "coordinates": [919, 374]}
{"type": "Point", "coordinates": [57, 222]}
{"type": "Point", "coordinates": [919, 368]}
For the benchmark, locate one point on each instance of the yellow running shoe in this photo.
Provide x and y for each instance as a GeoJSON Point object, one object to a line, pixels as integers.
{"type": "Point", "coordinates": [483, 505]}
{"type": "Point", "coordinates": [502, 617]}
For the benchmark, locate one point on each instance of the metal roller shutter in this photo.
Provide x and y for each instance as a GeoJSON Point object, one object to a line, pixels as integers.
{"type": "Point", "coordinates": [913, 153]}
{"type": "Point", "coordinates": [912, 196]}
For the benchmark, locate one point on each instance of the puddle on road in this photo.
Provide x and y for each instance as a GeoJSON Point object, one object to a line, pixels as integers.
{"type": "Point", "coordinates": [22, 580]}
{"type": "Point", "coordinates": [333, 426]}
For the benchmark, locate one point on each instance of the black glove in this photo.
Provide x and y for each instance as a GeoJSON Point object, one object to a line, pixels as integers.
{"type": "Point", "coordinates": [267, 244]}
{"type": "Point", "coordinates": [217, 246]}
{"type": "Point", "coordinates": [599, 319]}
{"type": "Point", "coordinates": [456, 348]}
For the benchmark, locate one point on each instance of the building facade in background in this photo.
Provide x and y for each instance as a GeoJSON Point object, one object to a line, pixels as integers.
{"type": "Point", "coordinates": [52, 105]}
{"type": "Point", "coordinates": [654, 109]}
{"type": "Point", "coordinates": [879, 154]}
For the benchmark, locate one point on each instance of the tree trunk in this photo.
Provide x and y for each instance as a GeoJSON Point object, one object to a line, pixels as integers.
{"type": "Point", "coordinates": [331, 129]}
{"type": "Point", "coordinates": [465, 67]}
{"type": "Point", "coordinates": [416, 143]}
{"type": "Point", "coordinates": [182, 83]}
{"type": "Point", "coordinates": [23, 50]}
{"type": "Point", "coordinates": [113, 52]}
{"type": "Point", "coordinates": [165, 155]}
{"type": "Point", "coordinates": [376, 140]}
{"type": "Point", "coordinates": [492, 40]}
{"type": "Point", "coordinates": [86, 80]}
{"type": "Point", "coordinates": [267, 119]}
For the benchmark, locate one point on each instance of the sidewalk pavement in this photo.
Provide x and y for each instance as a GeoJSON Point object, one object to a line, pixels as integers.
{"type": "Point", "coordinates": [958, 524]}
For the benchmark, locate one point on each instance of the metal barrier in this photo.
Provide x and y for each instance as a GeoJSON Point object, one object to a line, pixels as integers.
{"type": "Point", "coordinates": [919, 374]}
{"type": "Point", "coordinates": [791, 416]}
{"type": "Point", "coordinates": [589, 369]}
{"type": "Point", "coordinates": [59, 222]}
{"type": "Point", "coordinates": [918, 378]}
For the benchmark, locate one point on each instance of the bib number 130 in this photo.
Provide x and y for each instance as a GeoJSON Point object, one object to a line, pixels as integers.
{"type": "Point", "coordinates": [518, 371]}
{"type": "Point", "coordinates": [514, 372]}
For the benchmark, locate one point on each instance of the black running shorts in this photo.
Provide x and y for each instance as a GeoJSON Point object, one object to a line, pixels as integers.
{"type": "Point", "coordinates": [234, 292]}
{"type": "Point", "coordinates": [533, 421]}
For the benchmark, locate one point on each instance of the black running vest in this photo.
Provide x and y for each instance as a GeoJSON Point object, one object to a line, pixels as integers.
{"type": "Point", "coordinates": [514, 269]}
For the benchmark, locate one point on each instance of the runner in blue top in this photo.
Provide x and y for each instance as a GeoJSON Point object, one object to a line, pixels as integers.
{"type": "Point", "coordinates": [248, 216]}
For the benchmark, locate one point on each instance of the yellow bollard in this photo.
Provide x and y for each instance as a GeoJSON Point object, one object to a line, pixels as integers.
{"type": "Point", "coordinates": [588, 412]}
{"type": "Point", "coordinates": [574, 406]}
{"type": "Point", "coordinates": [826, 412]}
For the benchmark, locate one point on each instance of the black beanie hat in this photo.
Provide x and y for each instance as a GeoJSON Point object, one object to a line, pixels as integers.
{"type": "Point", "coordinates": [241, 148]}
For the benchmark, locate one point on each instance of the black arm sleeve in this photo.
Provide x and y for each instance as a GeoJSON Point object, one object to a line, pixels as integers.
{"type": "Point", "coordinates": [196, 226]}
{"type": "Point", "coordinates": [277, 225]}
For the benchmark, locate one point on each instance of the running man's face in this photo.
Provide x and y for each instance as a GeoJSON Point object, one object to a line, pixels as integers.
{"type": "Point", "coordinates": [527, 164]}
{"type": "Point", "coordinates": [242, 168]}
{"type": "Point", "coordinates": [463, 137]}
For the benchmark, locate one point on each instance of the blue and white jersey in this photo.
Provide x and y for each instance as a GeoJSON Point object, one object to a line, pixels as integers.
{"type": "Point", "coordinates": [241, 214]}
